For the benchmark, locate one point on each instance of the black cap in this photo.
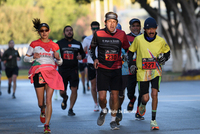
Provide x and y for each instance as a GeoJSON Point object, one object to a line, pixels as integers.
{"type": "Point", "coordinates": [150, 23]}
{"type": "Point", "coordinates": [43, 25]}
{"type": "Point", "coordinates": [133, 21]}
{"type": "Point", "coordinates": [111, 15]}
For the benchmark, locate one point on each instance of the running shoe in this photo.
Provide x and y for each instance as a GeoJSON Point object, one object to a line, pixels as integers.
{"type": "Point", "coordinates": [96, 108]}
{"type": "Point", "coordinates": [42, 116]}
{"type": "Point", "coordinates": [71, 113]}
{"type": "Point", "coordinates": [118, 116]}
{"type": "Point", "coordinates": [13, 96]}
{"type": "Point", "coordinates": [142, 109]}
{"type": "Point", "coordinates": [88, 87]}
{"type": "Point", "coordinates": [46, 129]}
{"type": "Point", "coordinates": [138, 117]}
{"type": "Point", "coordinates": [154, 125]}
{"type": "Point", "coordinates": [131, 104]}
{"type": "Point", "coordinates": [64, 104]}
{"type": "Point", "coordinates": [114, 126]}
{"type": "Point", "coordinates": [101, 118]}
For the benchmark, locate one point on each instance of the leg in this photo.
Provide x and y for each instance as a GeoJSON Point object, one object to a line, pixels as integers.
{"type": "Point", "coordinates": [49, 94]}
{"type": "Point", "coordinates": [14, 78]}
{"type": "Point", "coordinates": [114, 102]}
{"type": "Point", "coordinates": [94, 91]}
{"type": "Point", "coordinates": [131, 91]}
{"type": "Point", "coordinates": [102, 99]}
{"type": "Point", "coordinates": [83, 80]}
{"type": "Point", "coordinates": [73, 97]}
{"type": "Point", "coordinates": [40, 97]}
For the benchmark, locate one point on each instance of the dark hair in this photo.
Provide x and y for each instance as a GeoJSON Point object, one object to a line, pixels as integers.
{"type": "Point", "coordinates": [83, 37]}
{"type": "Point", "coordinates": [67, 27]}
{"type": "Point", "coordinates": [10, 41]}
{"type": "Point", "coordinates": [94, 23]}
{"type": "Point", "coordinates": [36, 23]}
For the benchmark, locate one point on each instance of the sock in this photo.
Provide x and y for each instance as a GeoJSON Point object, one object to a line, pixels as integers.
{"type": "Point", "coordinates": [133, 100]}
{"type": "Point", "coordinates": [153, 115]}
{"type": "Point", "coordinates": [113, 118]}
{"type": "Point", "coordinates": [104, 110]}
{"type": "Point", "coordinates": [137, 110]}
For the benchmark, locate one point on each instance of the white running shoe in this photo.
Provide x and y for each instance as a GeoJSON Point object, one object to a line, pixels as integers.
{"type": "Point", "coordinates": [96, 108]}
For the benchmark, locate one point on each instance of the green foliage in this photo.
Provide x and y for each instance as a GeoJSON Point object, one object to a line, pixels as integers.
{"type": "Point", "coordinates": [16, 18]}
{"type": "Point", "coordinates": [83, 1]}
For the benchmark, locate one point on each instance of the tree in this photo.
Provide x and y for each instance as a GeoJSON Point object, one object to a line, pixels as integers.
{"type": "Point", "coordinates": [181, 31]}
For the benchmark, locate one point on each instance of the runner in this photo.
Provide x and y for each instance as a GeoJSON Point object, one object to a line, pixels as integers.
{"type": "Point", "coordinates": [91, 70]}
{"type": "Point", "coordinates": [71, 51]}
{"type": "Point", "coordinates": [82, 65]}
{"type": "Point", "coordinates": [149, 60]}
{"type": "Point", "coordinates": [109, 42]}
{"type": "Point", "coordinates": [135, 28]}
{"type": "Point", "coordinates": [0, 72]}
{"type": "Point", "coordinates": [10, 58]}
{"type": "Point", "coordinates": [43, 72]}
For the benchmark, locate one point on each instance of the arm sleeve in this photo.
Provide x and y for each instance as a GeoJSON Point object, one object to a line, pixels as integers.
{"type": "Point", "coordinates": [4, 57]}
{"type": "Point", "coordinates": [167, 56]}
{"type": "Point", "coordinates": [130, 59]}
{"type": "Point", "coordinates": [93, 46]}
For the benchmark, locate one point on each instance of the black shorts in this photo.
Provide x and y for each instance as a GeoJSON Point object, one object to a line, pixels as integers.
{"type": "Point", "coordinates": [10, 71]}
{"type": "Point", "coordinates": [38, 80]}
{"type": "Point", "coordinates": [82, 66]}
{"type": "Point", "coordinates": [143, 86]}
{"type": "Point", "coordinates": [91, 72]}
{"type": "Point", "coordinates": [109, 79]}
{"type": "Point", "coordinates": [124, 85]}
{"type": "Point", "coordinates": [71, 76]}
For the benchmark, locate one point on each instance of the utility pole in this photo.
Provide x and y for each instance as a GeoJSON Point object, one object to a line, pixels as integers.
{"type": "Point", "coordinates": [159, 20]}
{"type": "Point", "coordinates": [98, 11]}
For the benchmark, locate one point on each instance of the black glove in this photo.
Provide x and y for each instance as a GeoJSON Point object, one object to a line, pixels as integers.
{"type": "Point", "coordinates": [133, 69]}
{"type": "Point", "coordinates": [161, 59]}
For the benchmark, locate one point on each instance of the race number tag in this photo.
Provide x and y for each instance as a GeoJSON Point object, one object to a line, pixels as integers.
{"type": "Point", "coordinates": [111, 55]}
{"type": "Point", "coordinates": [148, 63]}
{"type": "Point", "coordinates": [68, 55]}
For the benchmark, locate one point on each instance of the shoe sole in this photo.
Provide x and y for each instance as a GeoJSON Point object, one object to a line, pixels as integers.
{"type": "Point", "coordinates": [138, 119]}
{"type": "Point", "coordinates": [154, 128]}
{"type": "Point", "coordinates": [116, 128]}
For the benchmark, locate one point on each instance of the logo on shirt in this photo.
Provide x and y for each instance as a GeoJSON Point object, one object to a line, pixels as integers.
{"type": "Point", "coordinates": [69, 45]}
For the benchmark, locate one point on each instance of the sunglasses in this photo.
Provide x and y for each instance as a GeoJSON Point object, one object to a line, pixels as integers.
{"type": "Point", "coordinates": [95, 28]}
{"type": "Point", "coordinates": [46, 30]}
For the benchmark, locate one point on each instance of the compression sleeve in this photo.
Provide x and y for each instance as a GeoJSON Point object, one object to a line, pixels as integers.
{"type": "Point", "coordinates": [167, 55]}
{"type": "Point", "coordinates": [130, 59]}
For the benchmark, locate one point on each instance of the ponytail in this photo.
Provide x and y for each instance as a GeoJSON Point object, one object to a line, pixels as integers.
{"type": "Point", "coordinates": [36, 23]}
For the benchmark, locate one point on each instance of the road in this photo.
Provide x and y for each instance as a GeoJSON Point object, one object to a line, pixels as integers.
{"type": "Point", "coordinates": [177, 113]}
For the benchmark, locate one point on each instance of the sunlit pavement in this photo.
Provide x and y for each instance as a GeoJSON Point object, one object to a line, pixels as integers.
{"type": "Point", "coordinates": [177, 113]}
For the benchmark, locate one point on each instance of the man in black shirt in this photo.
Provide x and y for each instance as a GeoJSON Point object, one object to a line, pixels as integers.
{"type": "Point", "coordinates": [71, 51]}
{"type": "Point", "coordinates": [10, 58]}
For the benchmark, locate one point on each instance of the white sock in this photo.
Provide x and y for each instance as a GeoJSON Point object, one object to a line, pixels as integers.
{"type": "Point", "coordinates": [113, 118]}
{"type": "Point", "coordinates": [104, 110]}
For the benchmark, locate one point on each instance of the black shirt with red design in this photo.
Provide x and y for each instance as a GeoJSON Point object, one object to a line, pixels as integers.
{"type": "Point", "coordinates": [109, 48]}
{"type": "Point", "coordinates": [69, 51]}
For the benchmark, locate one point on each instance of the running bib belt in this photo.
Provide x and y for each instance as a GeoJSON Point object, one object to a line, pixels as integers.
{"type": "Point", "coordinates": [68, 55]}
{"type": "Point", "coordinates": [148, 63]}
{"type": "Point", "coordinates": [111, 55]}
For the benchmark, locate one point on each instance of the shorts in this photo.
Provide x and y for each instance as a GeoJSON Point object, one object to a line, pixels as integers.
{"type": "Point", "coordinates": [38, 80]}
{"type": "Point", "coordinates": [109, 79]}
{"type": "Point", "coordinates": [71, 76]}
{"type": "Point", "coordinates": [124, 85]}
{"type": "Point", "coordinates": [144, 85]}
{"type": "Point", "coordinates": [91, 72]}
{"type": "Point", "coordinates": [82, 66]}
{"type": "Point", "coordinates": [10, 71]}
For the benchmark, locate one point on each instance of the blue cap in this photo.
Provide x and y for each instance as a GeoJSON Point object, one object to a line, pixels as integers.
{"type": "Point", "coordinates": [133, 21]}
{"type": "Point", "coordinates": [150, 23]}
{"type": "Point", "coordinates": [119, 26]}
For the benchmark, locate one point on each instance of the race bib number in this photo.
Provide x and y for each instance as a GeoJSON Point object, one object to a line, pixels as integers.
{"type": "Point", "coordinates": [68, 55]}
{"type": "Point", "coordinates": [111, 55]}
{"type": "Point", "coordinates": [41, 79]}
{"type": "Point", "coordinates": [148, 63]}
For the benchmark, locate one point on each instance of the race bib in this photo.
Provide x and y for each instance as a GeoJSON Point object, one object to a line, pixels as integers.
{"type": "Point", "coordinates": [148, 63]}
{"type": "Point", "coordinates": [111, 55]}
{"type": "Point", "coordinates": [68, 55]}
{"type": "Point", "coordinates": [41, 79]}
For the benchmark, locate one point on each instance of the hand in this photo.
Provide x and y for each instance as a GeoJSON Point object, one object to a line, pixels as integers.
{"type": "Point", "coordinates": [96, 63]}
{"type": "Point", "coordinates": [56, 55]}
{"type": "Point", "coordinates": [79, 57]}
{"type": "Point", "coordinates": [161, 59]}
{"type": "Point", "coordinates": [36, 56]}
{"type": "Point", "coordinates": [10, 57]}
{"type": "Point", "coordinates": [133, 69]}
{"type": "Point", "coordinates": [125, 57]}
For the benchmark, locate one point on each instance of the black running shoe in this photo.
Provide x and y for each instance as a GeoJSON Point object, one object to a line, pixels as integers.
{"type": "Point", "coordinates": [118, 116]}
{"type": "Point", "coordinates": [71, 113]}
{"type": "Point", "coordinates": [138, 117]}
{"type": "Point", "coordinates": [13, 96]}
{"type": "Point", "coordinates": [64, 104]}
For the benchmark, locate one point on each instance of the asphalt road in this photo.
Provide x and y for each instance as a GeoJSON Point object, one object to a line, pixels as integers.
{"type": "Point", "coordinates": [178, 112]}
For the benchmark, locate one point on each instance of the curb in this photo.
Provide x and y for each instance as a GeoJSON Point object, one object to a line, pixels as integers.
{"type": "Point", "coordinates": [180, 78]}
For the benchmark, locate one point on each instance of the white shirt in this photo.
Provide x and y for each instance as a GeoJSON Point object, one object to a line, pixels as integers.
{"type": "Point", "coordinates": [86, 43]}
